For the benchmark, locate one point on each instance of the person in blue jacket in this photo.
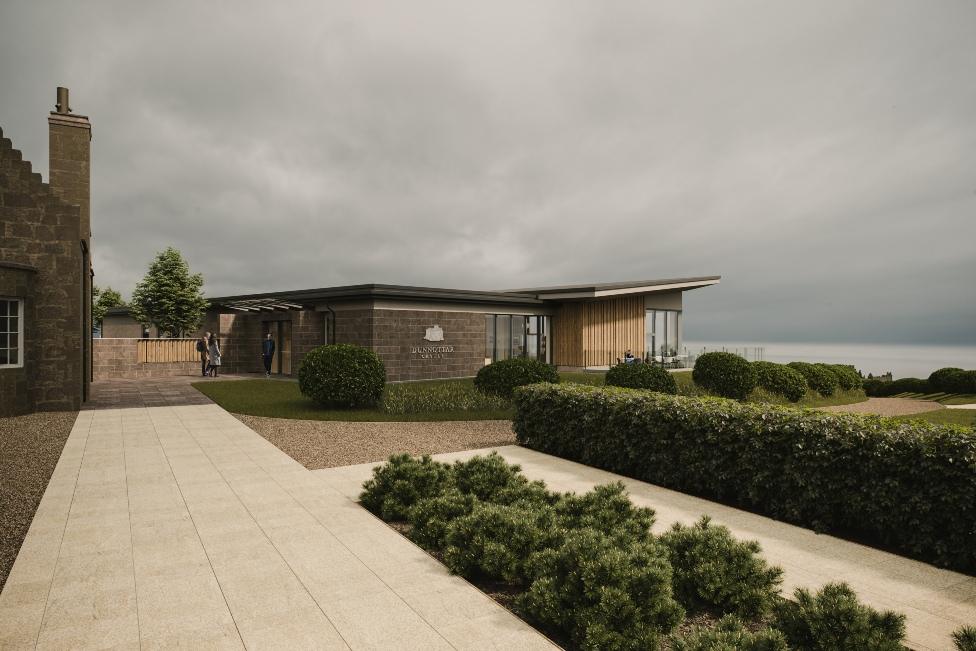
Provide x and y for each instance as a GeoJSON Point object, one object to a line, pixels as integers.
{"type": "Point", "coordinates": [267, 353]}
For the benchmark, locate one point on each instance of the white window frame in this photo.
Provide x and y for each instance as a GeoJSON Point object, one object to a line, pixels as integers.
{"type": "Point", "coordinates": [21, 326]}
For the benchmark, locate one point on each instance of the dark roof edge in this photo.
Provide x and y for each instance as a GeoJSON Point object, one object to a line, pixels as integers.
{"type": "Point", "coordinates": [592, 287]}
{"type": "Point", "coordinates": [374, 291]}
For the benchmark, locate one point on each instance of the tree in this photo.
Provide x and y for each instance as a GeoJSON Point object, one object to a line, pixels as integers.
{"type": "Point", "coordinates": [169, 296]}
{"type": "Point", "coordinates": [102, 301]}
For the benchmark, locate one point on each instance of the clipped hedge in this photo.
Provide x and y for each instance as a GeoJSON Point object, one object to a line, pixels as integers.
{"type": "Point", "coordinates": [725, 374]}
{"type": "Point", "coordinates": [818, 376]}
{"type": "Point", "coordinates": [847, 376]}
{"type": "Point", "coordinates": [781, 379]}
{"type": "Point", "coordinates": [641, 376]}
{"type": "Point", "coordinates": [342, 375]}
{"type": "Point", "coordinates": [961, 382]}
{"type": "Point", "coordinates": [937, 379]}
{"type": "Point", "coordinates": [500, 378]}
{"type": "Point", "coordinates": [899, 484]}
{"type": "Point", "coordinates": [881, 389]}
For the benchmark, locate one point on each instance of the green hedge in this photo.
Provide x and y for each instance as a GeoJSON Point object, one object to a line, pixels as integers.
{"type": "Point", "coordinates": [818, 376]}
{"type": "Point", "coordinates": [781, 379]}
{"type": "Point", "coordinates": [342, 375]}
{"type": "Point", "coordinates": [725, 374]}
{"type": "Point", "coordinates": [937, 380]}
{"type": "Point", "coordinates": [880, 389]}
{"type": "Point", "coordinates": [641, 376]}
{"type": "Point", "coordinates": [906, 485]}
{"type": "Point", "coordinates": [500, 378]}
{"type": "Point", "coordinates": [847, 376]}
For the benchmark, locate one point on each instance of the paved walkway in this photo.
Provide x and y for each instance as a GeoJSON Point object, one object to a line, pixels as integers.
{"type": "Point", "coordinates": [935, 601]}
{"type": "Point", "coordinates": [178, 526]}
{"type": "Point", "coordinates": [887, 407]}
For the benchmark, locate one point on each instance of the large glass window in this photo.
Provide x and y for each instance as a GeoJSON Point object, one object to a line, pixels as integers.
{"type": "Point", "coordinates": [503, 337]}
{"type": "Point", "coordinates": [662, 334]}
{"type": "Point", "coordinates": [11, 333]}
{"type": "Point", "coordinates": [519, 330]}
{"type": "Point", "coordinates": [516, 336]}
{"type": "Point", "coordinates": [532, 337]}
{"type": "Point", "coordinates": [489, 338]}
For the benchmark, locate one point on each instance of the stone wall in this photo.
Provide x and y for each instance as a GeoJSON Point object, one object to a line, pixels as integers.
{"type": "Point", "coordinates": [118, 358]}
{"type": "Point", "coordinates": [398, 338]}
{"type": "Point", "coordinates": [41, 262]}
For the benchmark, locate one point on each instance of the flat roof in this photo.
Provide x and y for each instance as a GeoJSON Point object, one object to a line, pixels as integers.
{"type": "Point", "coordinates": [596, 290]}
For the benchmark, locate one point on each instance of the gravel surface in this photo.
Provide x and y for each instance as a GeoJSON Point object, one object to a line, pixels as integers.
{"type": "Point", "coordinates": [30, 447]}
{"type": "Point", "coordinates": [887, 407]}
{"type": "Point", "coordinates": [329, 444]}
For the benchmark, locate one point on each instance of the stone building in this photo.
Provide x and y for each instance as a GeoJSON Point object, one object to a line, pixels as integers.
{"type": "Point", "coordinates": [45, 271]}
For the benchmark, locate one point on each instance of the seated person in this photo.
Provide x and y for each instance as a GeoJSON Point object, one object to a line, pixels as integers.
{"type": "Point", "coordinates": [628, 357]}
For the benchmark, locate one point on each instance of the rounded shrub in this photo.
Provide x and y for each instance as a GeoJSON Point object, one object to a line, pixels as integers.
{"type": "Point", "coordinates": [715, 572]}
{"type": "Point", "coordinates": [835, 619]}
{"type": "Point", "coordinates": [730, 633]}
{"type": "Point", "coordinates": [819, 378]}
{"type": "Point", "coordinates": [781, 379]}
{"type": "Point", "coordinates": [847, 376]}
{"type": "Point", "coordinates": [641, 376]}
{"type": "Point", "coordinates": [606, 508]}
{"type": "Point", "coordinates": [342, 375]}
{"type": "Point", "coordinates": [725, 374]}
{"type": "Point", "coordinates": [961, 382]}
{"type": "Point", "coordinates": [937, 380]}
{"type": "Point", "coordinates": [432, 516]}
{"type": "Point", "coordinates": [401, 482]}
{"type": "Point", "coordinates": [500, 378]}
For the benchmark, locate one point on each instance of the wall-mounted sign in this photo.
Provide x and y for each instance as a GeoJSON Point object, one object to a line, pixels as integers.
{"type": "Point", "coordinates": [435, 334]}
{"type": "Point", "coordinates": [431, 352]}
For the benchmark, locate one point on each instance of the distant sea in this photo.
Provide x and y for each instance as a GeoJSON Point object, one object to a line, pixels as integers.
{"type": "Point", "coordinates": [903, 360]}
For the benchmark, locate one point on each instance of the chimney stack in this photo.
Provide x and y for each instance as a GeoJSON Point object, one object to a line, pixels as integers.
{"type": "Point", "coordinates": [70, 159]}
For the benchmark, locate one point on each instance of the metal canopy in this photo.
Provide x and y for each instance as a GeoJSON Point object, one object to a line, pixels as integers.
{"type": "Point", "coordinates": [268, 304]}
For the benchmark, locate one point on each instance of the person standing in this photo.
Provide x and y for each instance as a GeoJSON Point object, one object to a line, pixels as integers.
{"type": "Point", "coordinates": [267, 353]}
{"type": "Point", "coordinates": [203, 345]}
{"type": "Point", "coordinates": [214, 351]}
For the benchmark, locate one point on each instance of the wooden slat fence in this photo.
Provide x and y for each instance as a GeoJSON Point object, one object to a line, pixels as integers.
{"type": "Point", "coordinates": [157, 351]}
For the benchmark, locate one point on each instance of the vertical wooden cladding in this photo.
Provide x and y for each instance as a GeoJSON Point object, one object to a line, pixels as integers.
{"type": "Point", "coordinates": [158, 351]}
{"type": "Point", "coordinates": [596, 333]}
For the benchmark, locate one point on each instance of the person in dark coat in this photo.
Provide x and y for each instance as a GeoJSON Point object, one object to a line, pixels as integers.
{"type": "Point", "coordinates": [203, 345]}
{"type": "Point", "coordinates": [267, 353]}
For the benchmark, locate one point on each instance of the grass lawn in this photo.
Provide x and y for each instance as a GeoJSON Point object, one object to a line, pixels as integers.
{"type": "Point", "coordinates": [945, 417]}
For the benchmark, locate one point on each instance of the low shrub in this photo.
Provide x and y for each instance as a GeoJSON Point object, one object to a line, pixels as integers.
{"type": "Point", "coordinates": [818, 376]}
{"type": "Point", "coordinates": [641, 376]}
{"type": "Point", "coordinates": [495, 541]}
{"type": "Point", "coordinates": [895, 483]}
{"type": "Point", "coordinates": [606, 596]}
{"type": "Point", "coordinates": [781, 379]}
{"type": "Point", "coordinates": [715, 572]}
{"type": "Point", "coordinates": [725, 374]}
{"type": "Point", "coordinates": [342, 375]}
{"type": "Point", "coordinates": [500, 378]}
{"type": "Point", "coordinates": [432, 397]}
{"type": "Point", "coordinates": [431, 517]}
{"type": "Point", "coordinates": [401, 482]}
{"type": "Point", "coordinates": [606, 508]}
{"type": "Point", "coordinates": [965, 638]}
{"type": "Point", "coordinates": [937, 378]}
{"type": "Point", "coordinates": [834, 619]}
{"type": "Point", "coordinates": [486, 476]}
{"type": "Point", "coordinates": [730, 635]}
{"type": "Point", "coordinates": [847, 376]}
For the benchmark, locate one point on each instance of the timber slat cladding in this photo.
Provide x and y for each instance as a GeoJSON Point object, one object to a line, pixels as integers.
{"type": "Point", "coordinates": [158, 351]}
{"type": "Point", "coordinates": [596, 333]}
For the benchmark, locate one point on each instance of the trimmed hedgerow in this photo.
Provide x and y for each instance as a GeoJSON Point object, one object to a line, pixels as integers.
{"type": "Point", "coordinates": [730, 634]}
{"type": "Point", "coordinates": [500, 378]}
{"type": "Point", "coordinates": [401, 482]}
{"type": "Point", "coordinates": [715, 572]}
{"type": "Point", "coordinates": [881, 389]}
{"type": "Point", "coordinates": [961, 382]}
{"type": "Point", "coordinates": [937, 378]}
{"type": "Point", "coordinates": [724, 374]}
{"type": "Point", "coordinates": [965, 638]}
{"type": "Point", "coordinates": [818, 376]}
{"type": "Point", "coordinates": [342, 375]}
{"type": "Point", "coordinates": [603, 594]}
{"type": "Point", "coordinates": [641, 376]}
{"type": "Point", "coordinates": [896, 483]}
{"type": "Point", "coordinates": [833, 618]}
{"type": "Point", "coordinates": [781, 379]}
{"type": "Point", "coordinates": [847, 376]}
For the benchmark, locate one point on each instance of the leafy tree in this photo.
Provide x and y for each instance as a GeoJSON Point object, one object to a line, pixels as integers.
{"type": "Point", "coordinates": [102, 301]}
{"type": "Point", "coordinates": [169, 296]}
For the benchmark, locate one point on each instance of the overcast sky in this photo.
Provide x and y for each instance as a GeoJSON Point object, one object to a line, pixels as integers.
{"type": "Point", "coordinates": [820, 156]}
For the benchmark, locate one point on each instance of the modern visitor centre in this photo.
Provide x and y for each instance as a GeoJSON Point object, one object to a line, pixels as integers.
{"type": "Point", "coordinates": [424, 333]}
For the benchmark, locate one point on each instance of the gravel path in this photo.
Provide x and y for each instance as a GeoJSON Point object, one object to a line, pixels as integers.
{"type": "Point", "coordinates": [887, 407]}
{"type": "Point", "coordinates": [30, 447]}
{"type": "Point", "coordinates": [329, 444]}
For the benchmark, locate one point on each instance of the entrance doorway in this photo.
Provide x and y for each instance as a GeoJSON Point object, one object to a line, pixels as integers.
{"type": "Point", "coordinates": [281, 331]}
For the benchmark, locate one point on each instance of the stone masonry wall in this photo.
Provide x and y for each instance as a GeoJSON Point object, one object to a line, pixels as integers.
{"type": "Point", "coordinates": [40, 262]}
{"type": "Point", "coordinates": [399, 339]}
{"type": "Point", "coordinates": [118, 358]}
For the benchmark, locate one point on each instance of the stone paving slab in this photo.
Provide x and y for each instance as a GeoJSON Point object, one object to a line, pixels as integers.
{"type": "Point", "coordinates": [935, 601]}
{"type": "Point", "coordinates": [178, 526]}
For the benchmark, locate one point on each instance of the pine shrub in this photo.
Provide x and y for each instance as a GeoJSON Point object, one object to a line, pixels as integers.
{"type": "Point", "coordinates": [834, 620]}
{"type": "Point", "coordinates": [715, 572]}
{"type": "Point", "coordinates": [641, 376]}
{"type": "Point", "coordinates": [343, 376]}
{"type": "Point", "coordinates": [730, 635]}
{"type": "Point", "coordinates": [606, 508]}
{"type": "Point", "coordinates": [500, 378]}
{"type": "Point", "coordinates": [965, 638]}
{"type": "Point", "coordinates": [818, 376]}
{"type": "Point", "coordinates": [604, 595]}
{"type": "Point", "coordinates": [401, 482]}
{"type": "Point", "coordinates": [432, 516]}
{"type": "Point", "coordinates": [780, 379]}
{"type": "Point", "coordinates": [724, 374]}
